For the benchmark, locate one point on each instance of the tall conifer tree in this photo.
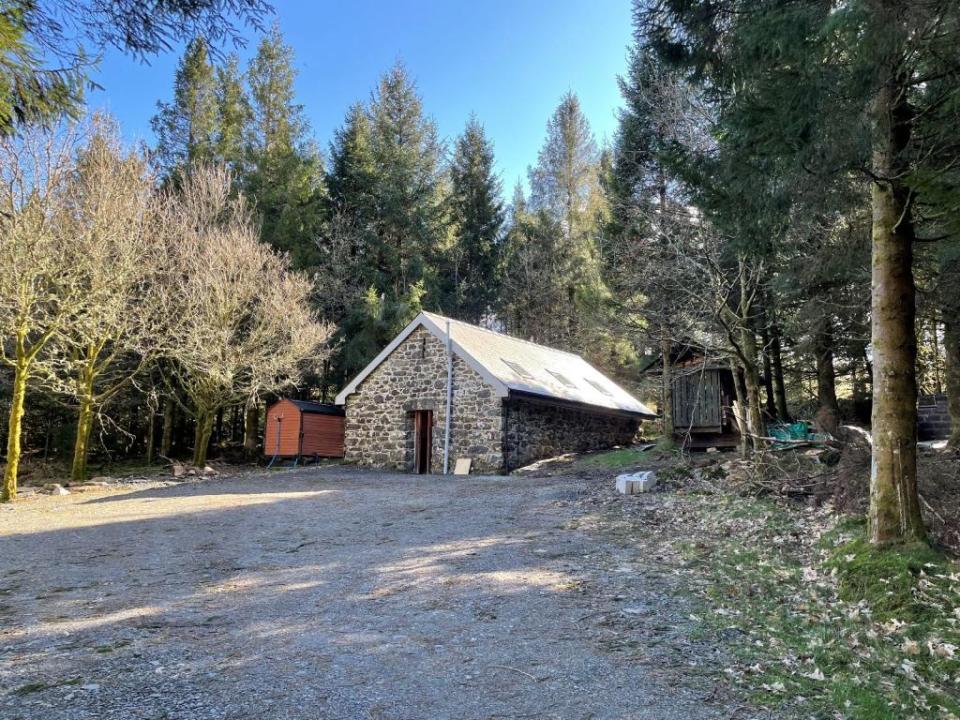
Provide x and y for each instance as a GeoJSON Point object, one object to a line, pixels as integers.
{"type": "Point", "coordinates": [285, 170]}
{"type": "Point", "coordinates": [407, 156]}
{"type": "Point", "coordinates": [386, 218]}
{"type": "Point", "coordinates": [233, 115]}
{"type": "Point", "coordinates": [186, 127]}
{"type": "Point", "coordinates": [565, 188]}
{"type": "Point", "coordinates": [478, 215]}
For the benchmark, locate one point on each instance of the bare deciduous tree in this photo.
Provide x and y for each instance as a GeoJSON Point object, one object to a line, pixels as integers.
{"type": "Point", "coordinates": [39, 287]}
{"type": "Point", "coordinates": [240, 320]}
{"type": "Point", "coordinates": [110, 222]}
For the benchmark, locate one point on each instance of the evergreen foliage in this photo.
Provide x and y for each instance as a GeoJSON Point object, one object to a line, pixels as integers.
{"type": "Point", "coordinates": [388, 227]}
{"type": "Point", "coordinates": [284, 176]}
{"type": "Point", "coordinates": [48, 50]}
{"type": "Point", "coordinates": [186, 128]}
{"type": "Point", "coordinates": [477, 211]}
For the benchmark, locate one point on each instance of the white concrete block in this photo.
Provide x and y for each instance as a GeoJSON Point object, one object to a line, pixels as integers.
{"type": "Point", "coordinates": [633, 483]}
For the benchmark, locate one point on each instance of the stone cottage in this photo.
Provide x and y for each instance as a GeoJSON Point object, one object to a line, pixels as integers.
{"type": "Point", "coordinates": [509, 402]}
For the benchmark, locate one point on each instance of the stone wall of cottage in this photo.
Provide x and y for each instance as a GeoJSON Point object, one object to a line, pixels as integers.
{"type": "Point", "coordinates": [379, 427]}
{"type": "Point", "coordinates": [536, 430]}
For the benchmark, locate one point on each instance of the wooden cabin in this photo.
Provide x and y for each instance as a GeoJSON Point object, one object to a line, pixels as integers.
{"type": "Point", "coordinates": [703, 397]}
{"type": "Point", "coordinates": [302, 429]}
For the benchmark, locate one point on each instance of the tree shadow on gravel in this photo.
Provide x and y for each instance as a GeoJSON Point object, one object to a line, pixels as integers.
{"type": "Point", "coordinates": [321, 588]}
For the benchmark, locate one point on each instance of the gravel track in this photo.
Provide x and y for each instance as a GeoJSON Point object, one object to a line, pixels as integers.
{"type": "Point", "coordinates": [336, 593]}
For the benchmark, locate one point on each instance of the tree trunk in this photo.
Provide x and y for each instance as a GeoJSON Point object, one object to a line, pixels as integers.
{"type": "Point", "coordinates": [751, 379]}
{"type": "Point", "coordinates": [667, 390]}
{"type": "Point", "coordinates": [166, 434]}
{"type": "Point", "coordinates": [14, 430]}
{"type": "Point", "coordinates": [202, 434]}
{"type": "Point", "coordinates": [779, 387]}
{"type": "Point", "coordinates": [78, 470]}
{"type": "Point", "coordinates": [771, 404]}
{"type": "Point", "coordinates": [325, 381]}
{"type": "Point", "coordinates": [828, 414]}
{"type": "Point", "coordinates": [151, 432]}
{"type": "Point", "coordinates": [894, 502]}
{"type": "Point", "coordinates": [237, 432]}
{"type": "Point", "coordinates": [951, 348]}
{"type": "Point", "coordinates": [740, 407]}
{"type": "Point", "coordinates": [251, 430]}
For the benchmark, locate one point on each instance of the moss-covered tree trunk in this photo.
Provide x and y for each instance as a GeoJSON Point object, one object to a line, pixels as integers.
{"type": "Point", "coordinates": [202, 434]}
{"type": "Point", "coordinates": [894, 502]}
{"type": "Point", "coordinates": [740, 407]}
{"type": "Point", "coordinates": [828, 412]}
{"type": "Point", "coordinates": [14, 431]}
{"type": "Point", "coordinates": [751, 380]}
{"type": "Point", "coordinates": [667, 389]}
{"type": "Point", "coordinates": [78, 469]}
{"type": "Point", "coordinates": [951, 348]}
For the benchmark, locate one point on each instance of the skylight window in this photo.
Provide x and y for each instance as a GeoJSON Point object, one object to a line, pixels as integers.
{"type": "Point", "coordinates": [518, 369]}
{"type": "Point", "coordinates": [599, 387]}
{"type": "Point", "coordinates": [563, 380]}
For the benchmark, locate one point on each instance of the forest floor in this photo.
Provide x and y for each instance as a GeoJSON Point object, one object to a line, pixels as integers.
{"type": "Point", "coordinates": [772, 552]}
{"type": "Point", "coordinates": [337, 593]}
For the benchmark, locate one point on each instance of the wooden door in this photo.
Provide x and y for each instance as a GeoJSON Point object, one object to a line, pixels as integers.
{"type": "Point", "coordinates": [423, 441]}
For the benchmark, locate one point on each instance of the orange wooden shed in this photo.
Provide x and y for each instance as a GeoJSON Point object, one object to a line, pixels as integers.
{"type": "Point", "coordinates": [300, 428]}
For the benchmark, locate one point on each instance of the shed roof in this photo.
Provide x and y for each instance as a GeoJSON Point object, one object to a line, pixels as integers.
{"type": "Point", "coordinates": [512, 365]}
{"type": "Point", "coordinates": [308, 406]}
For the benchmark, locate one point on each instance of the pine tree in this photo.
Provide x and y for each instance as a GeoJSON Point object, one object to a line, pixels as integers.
{"type": "Point", "coordinates": [186, 127]}
{"type": "Point", "coordinates": [564, 182]}
{"type": "Point", "coordinates": [386, 227]}
{"type": "Point", "coordinates": [478, 216]}
{"type": "Point", "coordinates": [407, 154]}
{"type": "Point", "coordinates": [284, 176]}
{"type": "Point", "coordinates": [233, 115]}
{"type": "Point", "coordinates": [346, 276]}
{"type": "Point", "coordinates": [534, 260]}
{"type": "Point", "coordinates": [565, 188]}
{"type": "Point", "coordinates": [639, 264]}
{"type": "Point", "coordinates": [351, 196]}
{"type": "Point", "coordinates": [279, 125]}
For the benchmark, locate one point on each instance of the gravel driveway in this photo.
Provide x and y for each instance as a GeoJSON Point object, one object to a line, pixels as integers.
{"type": "Point", "coordinates": [336, 593]}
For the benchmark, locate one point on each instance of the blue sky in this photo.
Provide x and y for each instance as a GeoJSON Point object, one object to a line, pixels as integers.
{"type": "Point", "coordinates": [509, 62]}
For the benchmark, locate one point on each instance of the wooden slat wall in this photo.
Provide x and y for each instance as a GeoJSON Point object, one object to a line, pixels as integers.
{"type": "Point", "coordinates": [323, 435]}
{"type": "Point", "coordinates": [289, 441]}
{"type": "Point", "coordinates": [697, 397]}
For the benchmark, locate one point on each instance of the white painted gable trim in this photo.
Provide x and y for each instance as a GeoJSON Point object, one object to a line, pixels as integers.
{"type": "Point", "coordinates": [441, 334]}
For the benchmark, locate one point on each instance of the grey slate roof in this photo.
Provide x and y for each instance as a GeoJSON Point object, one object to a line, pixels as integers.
{"type": "Point", "coordinates": [512, 365]}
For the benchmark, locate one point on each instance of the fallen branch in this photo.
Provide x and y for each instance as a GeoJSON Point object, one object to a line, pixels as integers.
{"type": "Point", "coordinates": [930, 508]}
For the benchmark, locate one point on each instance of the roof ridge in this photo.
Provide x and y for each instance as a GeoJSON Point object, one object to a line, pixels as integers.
{"type": "Point", "coordinates": [504, 335]}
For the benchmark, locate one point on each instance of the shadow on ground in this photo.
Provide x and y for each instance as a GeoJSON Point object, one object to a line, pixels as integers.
{"type": "Point", "coordinates": [322, 593]}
